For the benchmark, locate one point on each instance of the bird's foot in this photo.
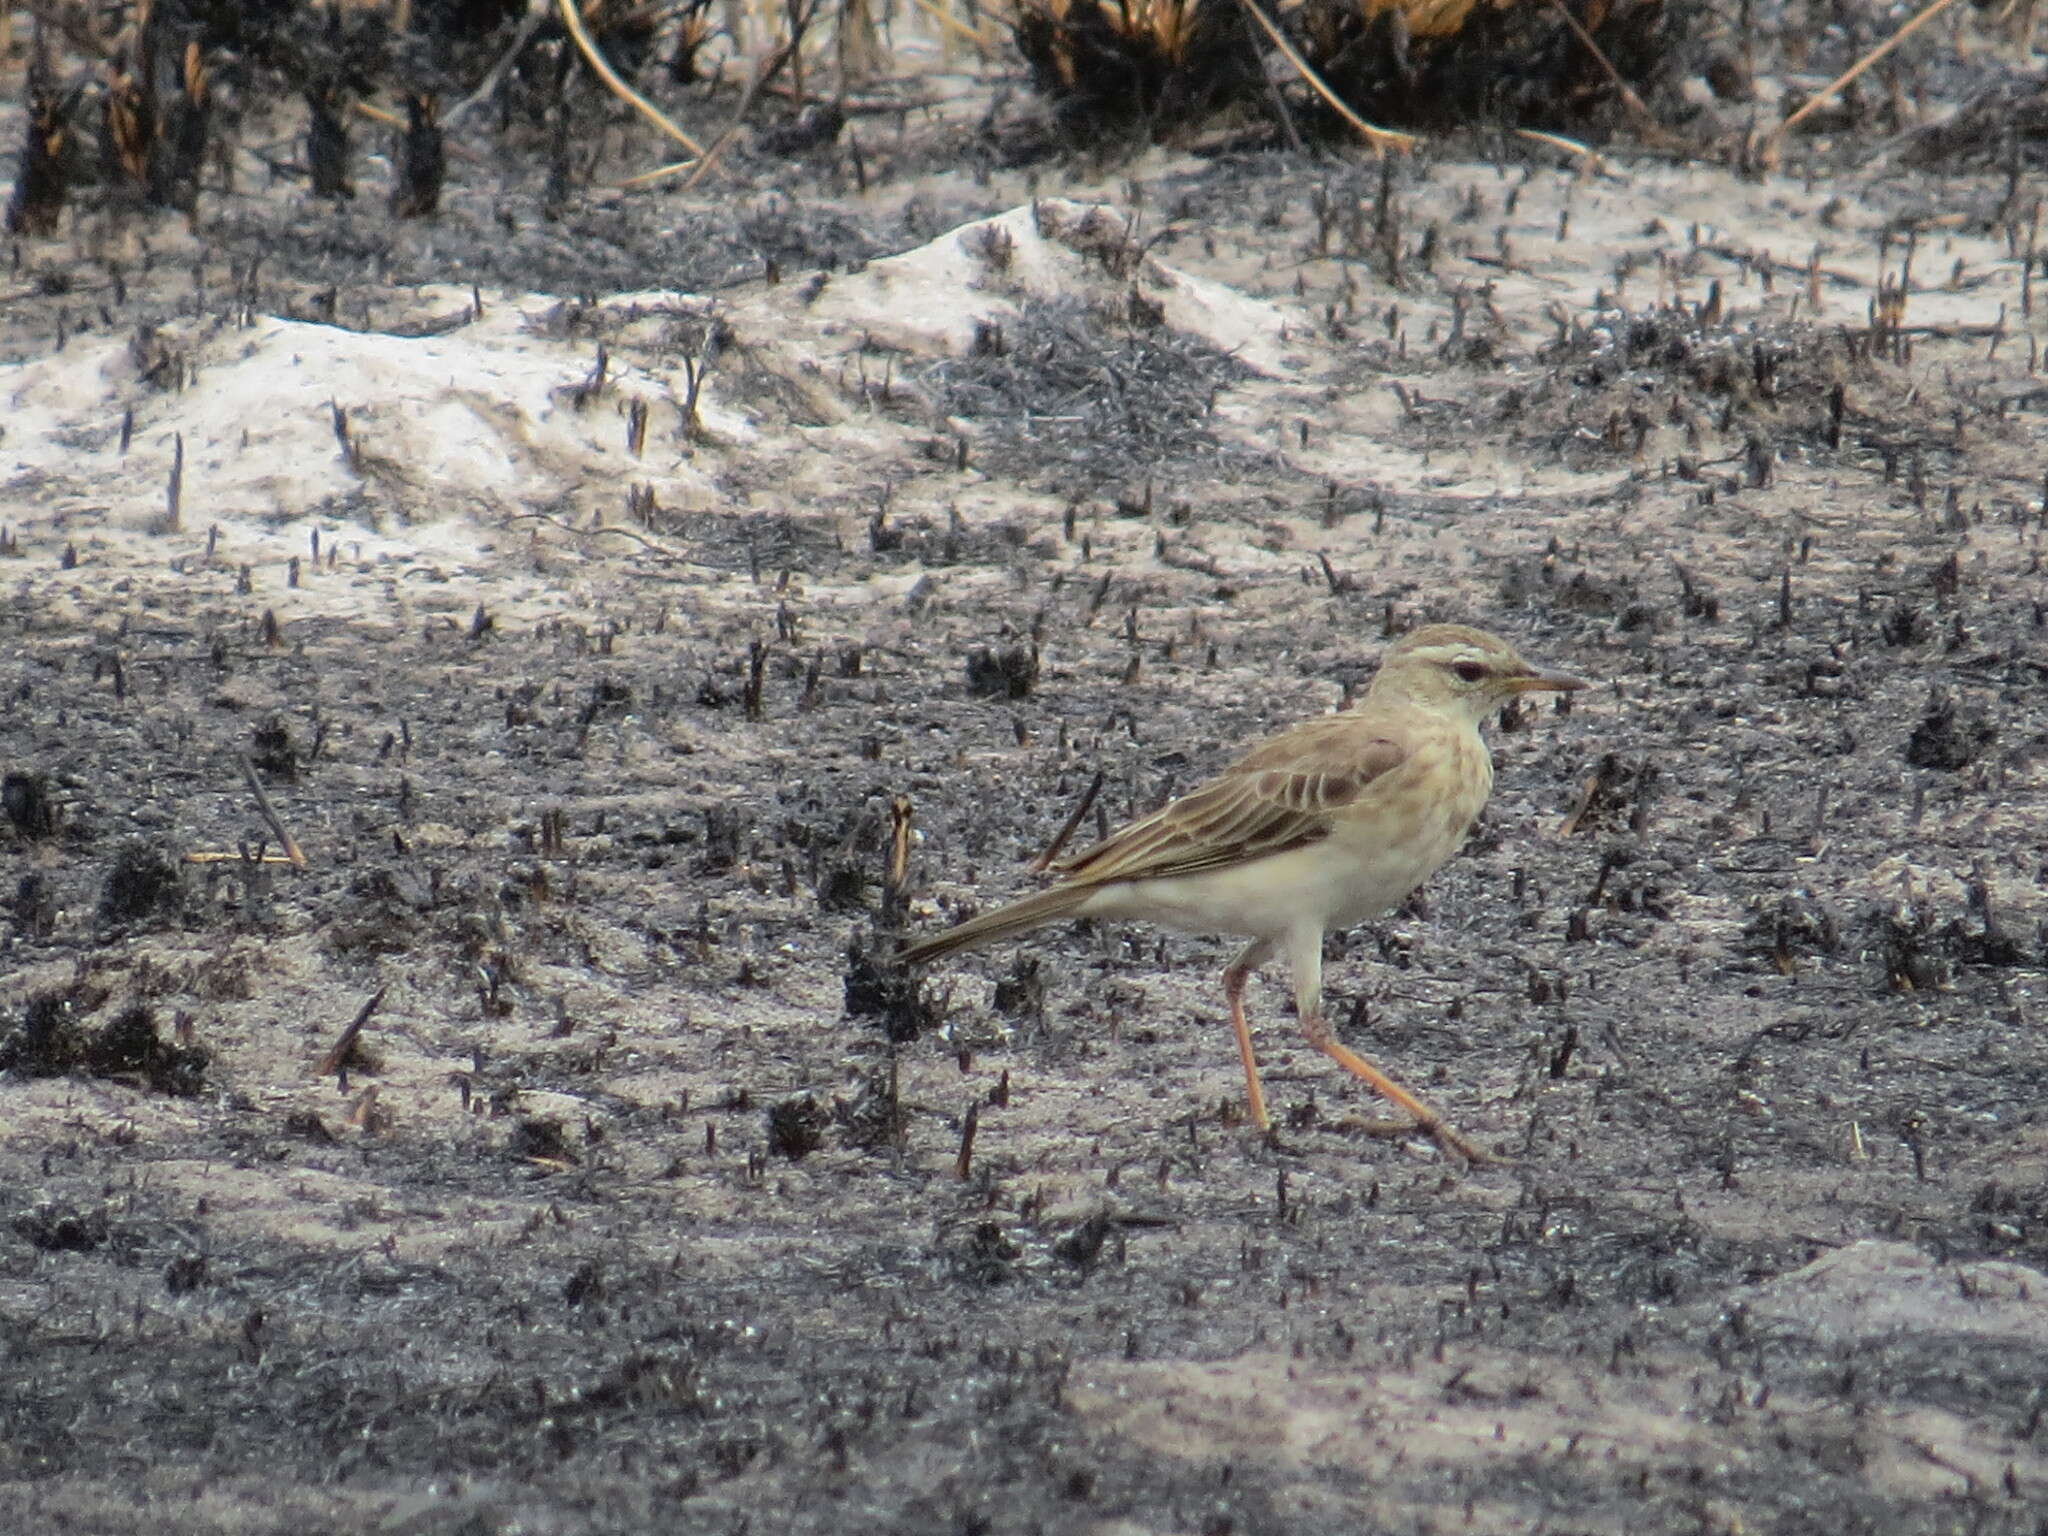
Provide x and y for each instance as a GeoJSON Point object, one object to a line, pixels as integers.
{"type": "Point", "coordinates": [1448, 1141]}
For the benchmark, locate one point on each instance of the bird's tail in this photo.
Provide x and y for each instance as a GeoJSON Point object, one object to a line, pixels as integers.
{"type": "Point", "coordinates": [1018, 917]}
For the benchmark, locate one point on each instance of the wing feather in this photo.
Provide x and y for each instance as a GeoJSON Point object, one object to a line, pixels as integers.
{"type": "Point", "coordinates": [1282, 795]}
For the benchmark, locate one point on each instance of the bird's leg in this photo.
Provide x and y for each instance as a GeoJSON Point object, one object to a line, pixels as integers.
{"type": "Point", "coordinates": [1324, 1039]}
{"type": "Point", "coordinates": [1255, 955]}
{"type": "Point", "coordinates": [1305, 952]}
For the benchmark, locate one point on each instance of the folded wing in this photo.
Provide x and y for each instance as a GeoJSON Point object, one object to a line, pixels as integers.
{"type": "Point", "coordinates": [1283, 795]}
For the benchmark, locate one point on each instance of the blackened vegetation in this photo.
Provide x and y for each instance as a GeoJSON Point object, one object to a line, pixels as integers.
{"type": "Point", "coordinates": [2002, 126]}
{"type": "Point", "coordinates": [273, 751]}
{"type": "Point", "coordinates": [422, 159]}
{"type": "Point", "coordinates": [60, 1227]}
{"type": "Point", "coordinates": [1159, 68]}
{"type": "Point", "coordinates": [1144, 67]}
{"type": "Point", "coordinates": [158, 106]}
{"type": "Point", "coordinates": [1793, 926]}
{"type": "Point", "coordinates": [1020, 991]}
{"type": "Point", "coordinates": [877, 988]}
{"type": "Point", "coordinates": [1084, 399]}
{"type": "Point", "coordinates": [52, 1037]}
{"type": "Point", "coordinates": [1411, 65]}
{"type": "Point", "coordinates": [37, 202]}
{"type": "Point", "coordinates": [1922, 948]}
{"type": "Point", "coordinates": [796, 1127]}
{"type": "Point", "coordinates": [816, 127]}
{"type": "Point", "coordinates": [1007, 673]}
{"type": "Point", "coordinates": [30, 803]}
{"type": "Point", "coordinates": [1777, 382]}
{"type": "Point", "coordinates": [180, 76]}
{"type": "Point", "coordinates": [874, 1118]}
{"type": "Point", "coordinates": [144, 884]}
{"type": "Point", "coordinates": [327, 144]}
{"type": "Point", "coordinates": [130, 1044]}
{"type": "Point", "coordinates": [541, 1139]}
{"type": "Point", "coordinates": [1950, 735]}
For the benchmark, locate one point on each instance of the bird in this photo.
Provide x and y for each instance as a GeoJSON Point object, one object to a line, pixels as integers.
{"type": "Point", "coordinates": [1320, 827]}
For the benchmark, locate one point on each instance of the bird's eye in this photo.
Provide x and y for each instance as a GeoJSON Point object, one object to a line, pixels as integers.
{"type": "Point", "coordinates": [1468, 671]}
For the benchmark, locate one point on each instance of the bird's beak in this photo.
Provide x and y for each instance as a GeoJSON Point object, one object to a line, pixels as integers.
{"type": "Point", "coordinates": [1537, 681]}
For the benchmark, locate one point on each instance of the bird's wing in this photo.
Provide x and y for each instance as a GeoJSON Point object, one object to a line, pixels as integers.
{"type": "Point", "coordinates": [1284, 794]}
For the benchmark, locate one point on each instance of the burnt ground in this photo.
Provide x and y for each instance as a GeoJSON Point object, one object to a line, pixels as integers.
{"type": "Point", "coordinates": [637, 1202]}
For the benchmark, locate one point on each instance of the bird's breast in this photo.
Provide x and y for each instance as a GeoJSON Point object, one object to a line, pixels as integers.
{"type": "Point", "coordinates": [1428, 807]}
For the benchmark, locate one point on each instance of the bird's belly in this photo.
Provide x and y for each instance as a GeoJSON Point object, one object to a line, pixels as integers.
{"type": "Point", "coordinates": [1326, 883]}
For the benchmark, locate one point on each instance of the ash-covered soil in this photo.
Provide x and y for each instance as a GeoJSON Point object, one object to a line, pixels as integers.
{"type": "Point", "coordinates": [639, 1201]}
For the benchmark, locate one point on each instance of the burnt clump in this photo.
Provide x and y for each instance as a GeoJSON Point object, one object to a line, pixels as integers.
{"type": "Point", "coordinates": [1010, 673]}
{"type": "Point", "coordinates": [1949, 736]}
{"type": "Point", "coordinates": [158, 106]}
{"type": "Point", "coordinates": [422, 159]}
{"type": "Point", "coordinates": [47, 1041]}
{"type": "Point", "coordinates": [1792, 926]}
{"type": "Point", "coordinates": [29, 804]}
{"type": "Point", "coordinates": [130, 1046]}
{"type": "Point", "coordinates": [1921, 951]}
{"type": "Point", "coordinates": [878, 988]}
{"type": "Point", "coordinates": [541, 1139]}
{"type": "Point", "coordinates": [796, 1127]}
{"type": "Point", "coordinates": [274, 754]}
{"type": "Point", "coordinates": [1616, 795]}
{"type": "Point", "coordinates": [1139, 67]}
{"type": "Point", "coordinates": [817, 126]}
{"type": "Point", "coordinates": [1020, 993]}
{"type": "Point", "coordinates": [60, 1227]}
{"type": "Point", "coordinates": [874, 1119]}
{"type": "Point", "coordinates": [1450, 63]}
{"type": "Point", "coordinates": [143, 884]}
{"type": "Point", "coordinates": [37, 203]}
{"type": "Point", "coordinates": [984, 1257]}
{"type": "Point", "coordinates": [51, 1040]}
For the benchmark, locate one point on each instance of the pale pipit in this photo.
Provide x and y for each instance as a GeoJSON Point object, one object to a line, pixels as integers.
{"type": "Point", "coordinates": [1320, 827]}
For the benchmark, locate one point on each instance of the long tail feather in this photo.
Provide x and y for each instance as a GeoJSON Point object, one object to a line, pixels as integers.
{"type": "Point", "coordinates": [1018, 917]}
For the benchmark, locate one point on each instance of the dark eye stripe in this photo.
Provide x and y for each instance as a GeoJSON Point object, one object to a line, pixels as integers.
{"type": "Point", "coordinates": [1468, 671]}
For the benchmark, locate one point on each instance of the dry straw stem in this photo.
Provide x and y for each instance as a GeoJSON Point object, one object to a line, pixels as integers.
{"type": "Point", "coordinates": [706, 159]}
{"type": "Point", "coordinates": [1774, 140]}
{"type": "Point", "coordinates": [572, 18]}
{"type": "Point", "coordinates": [1585, 153]}
{"type": "Point", "coordinates": [1381, 139]}
{"type": "Point", "coordinates": [985, 42]}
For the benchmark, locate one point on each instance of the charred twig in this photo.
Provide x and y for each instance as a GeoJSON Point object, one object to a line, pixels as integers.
{"type": "Point", "coordinates": [344, 1046]}
{"type": "Point", "coordinates": [269, 813]}
{"type": "Point", "coordinates": [963, 1162]}
{"type": "Point", "coordinates": [393, 120]}
{"type": "Point", "coordinates": [1043, 862]}
{"type": "Point", "coordinates": [536, 14]}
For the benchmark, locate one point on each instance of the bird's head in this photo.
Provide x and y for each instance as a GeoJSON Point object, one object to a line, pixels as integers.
{"type": "Point", "coordinates": [1464, 671]}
